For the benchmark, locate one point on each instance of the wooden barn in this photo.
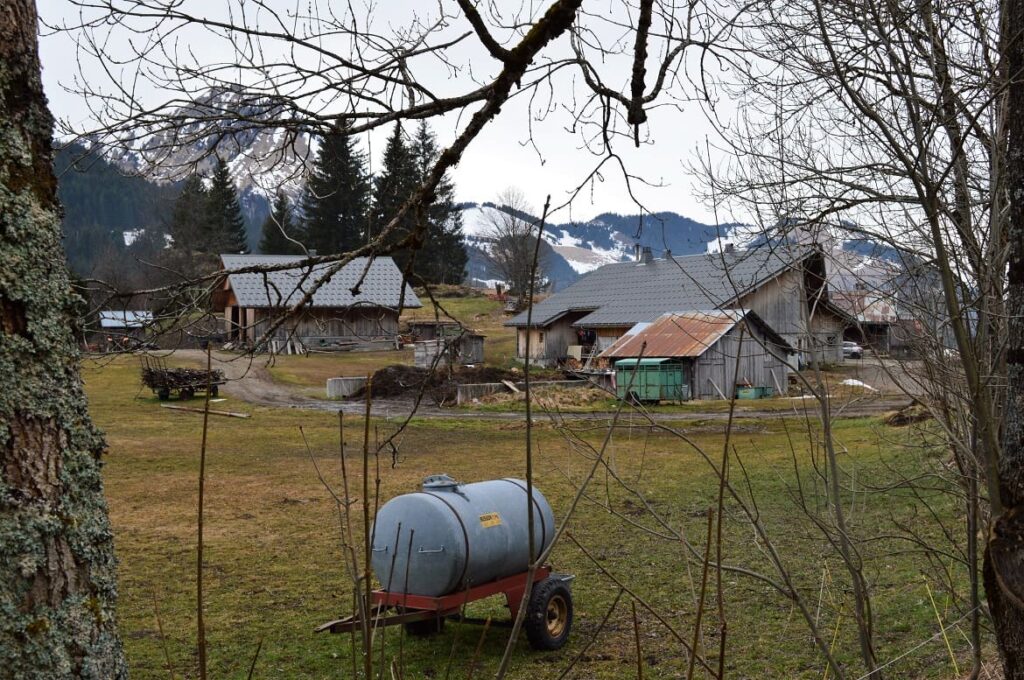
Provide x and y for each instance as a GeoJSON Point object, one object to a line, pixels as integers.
{"type": "Point", "coordinates": [705, 346]}
{"type": "Point", "coordinates": [335, 318]}
{"type": "Point", "coordinates": [784, 285]}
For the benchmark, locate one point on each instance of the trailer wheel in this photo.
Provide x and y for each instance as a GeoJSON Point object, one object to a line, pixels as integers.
{"type": "Point", "coordinates": [213, 390]}
{"type": "Point", "coordinates": [186, 393]}
{"type": "Point", "coordinates": [426, 627]}
{"type": "Point", "coordinates": [163, 394]}
{"type": "Point", "coordinates": [549, 615]}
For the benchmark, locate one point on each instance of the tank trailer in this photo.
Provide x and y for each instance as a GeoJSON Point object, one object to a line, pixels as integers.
{"type": "Point", "coordinates": [449, 544]}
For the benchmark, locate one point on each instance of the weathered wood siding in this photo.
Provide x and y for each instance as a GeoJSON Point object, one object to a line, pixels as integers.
{"type": "Point", "coordinates": [537, 339]}
{"type": "Point", "coordinates": [607, 336]}
{"type": "Point", "coordinates": [782, 304]}
{"type": "Point", "coordinates": [364, 324]}
{"type": "Point", "coordinates": [551, 343]}
{"type": "Point", "coordinates": [558, 336]}
{"type": "Point", "coordinates": [759, 366]}
{"type": "Point", "coordinates": [827, 331]}
{"type": "Point", "coordinates": [779, 304]}
{"type": "Point", "coordinates": [464, 351]}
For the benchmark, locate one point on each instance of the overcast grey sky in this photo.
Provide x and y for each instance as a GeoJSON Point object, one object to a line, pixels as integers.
{"type": "Point", "coordinates": [502, 155]}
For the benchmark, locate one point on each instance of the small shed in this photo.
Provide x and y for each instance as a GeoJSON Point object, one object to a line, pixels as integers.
{"type": "Point", "coordinates": [702, 348]}
{"type": "Point", "coordinates": [463, 349]}
{"type": "Point", "coordinates": [423, 329]}
{"type": "Point", "coordinates": [659, 379]}
{"type": "Point", "coordinates": [125, 321]}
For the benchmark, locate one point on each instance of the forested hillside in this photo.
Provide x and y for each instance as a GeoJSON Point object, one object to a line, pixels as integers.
{"type": "Point", "coordinates": [100, 204]}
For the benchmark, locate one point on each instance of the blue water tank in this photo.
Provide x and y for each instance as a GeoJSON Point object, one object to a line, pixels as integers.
{"type": "Point", "coordinates": [463, 535]}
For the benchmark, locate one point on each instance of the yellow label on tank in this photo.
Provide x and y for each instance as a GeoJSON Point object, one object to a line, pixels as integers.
{"type": "Point", "coordinates": [491, 519]}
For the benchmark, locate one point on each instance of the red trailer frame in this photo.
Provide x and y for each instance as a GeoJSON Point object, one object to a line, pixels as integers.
{"type": "Point", "coordinates": [422, 607]}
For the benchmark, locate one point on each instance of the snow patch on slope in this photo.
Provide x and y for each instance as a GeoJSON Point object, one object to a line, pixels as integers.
{"type": "Point", "coordinates": [581, 254]}
{"type": "Point", "coordinates": [741, 236]}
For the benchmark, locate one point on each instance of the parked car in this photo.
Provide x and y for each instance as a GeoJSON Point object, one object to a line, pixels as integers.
{"type": "Point", "coordinates": [852, 350]}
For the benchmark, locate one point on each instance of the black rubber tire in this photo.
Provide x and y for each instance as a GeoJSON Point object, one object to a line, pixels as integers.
{"type": "Point", "coordinates": [186, 393]}
{"type": "Point", "coordinates": [163, 394]}
{"type": "Point", "coordinates": [548, 620]}
{"type": "Point", "coordinates": [425, 628]}
{"type": "Point", "coordinates": [213, 390]}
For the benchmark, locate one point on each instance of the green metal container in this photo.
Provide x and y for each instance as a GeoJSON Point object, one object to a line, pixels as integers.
{"type": "Point", "coordinates": [753, 392]}
{"type": "Point", "coordinates": [651, 380]}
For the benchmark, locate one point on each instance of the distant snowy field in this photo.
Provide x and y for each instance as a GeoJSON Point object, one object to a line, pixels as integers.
{"type": "Point", "coordinates": [580, 254]}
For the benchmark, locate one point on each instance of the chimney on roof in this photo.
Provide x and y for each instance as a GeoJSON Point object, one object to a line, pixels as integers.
{"type": "Point", "coordinates": [730, 248]}
{"type": "Point", "coordinates": [668, 254]}
{"type": "Point", "coordinates": [646, 255]}
{"type": "Point", "coordinates": [636, 252]}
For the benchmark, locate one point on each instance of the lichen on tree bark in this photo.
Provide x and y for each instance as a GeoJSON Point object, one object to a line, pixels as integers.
{"type": "Point", "coordinates": [57, 568]}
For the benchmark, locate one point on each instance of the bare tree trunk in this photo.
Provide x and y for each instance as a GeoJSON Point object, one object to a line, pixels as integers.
{"type": "Point", "coordinates": [1004, 555]}
{"type": "Point", "coordinates": [57, 567]}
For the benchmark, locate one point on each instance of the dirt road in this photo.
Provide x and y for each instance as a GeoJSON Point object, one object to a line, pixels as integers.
{"type": "Point", "coordinates": [250, 381]}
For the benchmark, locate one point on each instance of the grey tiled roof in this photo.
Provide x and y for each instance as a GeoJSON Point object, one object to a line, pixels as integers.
{"type": "Point", "coordinates": [626, 293]}
{"type": "Point", "coordinates": [382, 286]}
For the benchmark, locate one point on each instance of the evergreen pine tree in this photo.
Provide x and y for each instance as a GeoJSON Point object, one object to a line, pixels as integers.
{"type": "Point", "coordinates": [391, 188]}
{"type": "Point", "coordinates": [443, 258]}
{"type": "Point", "coordinates": [279, 230]}
{"type": "Point", "coordinates": [189, 227]}
{"type": "Point", "coordinates": [227, 227]}
{"type": "Point", "coordinates": [334, 207]}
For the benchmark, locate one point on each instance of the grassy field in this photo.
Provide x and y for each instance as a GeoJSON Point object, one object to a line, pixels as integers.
{"type": "Point", "coordinates": [274, 572]}
{"type": "Point", "coordinates": [479, 313]}
{"type": "Point", "coordinates": [482, 315]}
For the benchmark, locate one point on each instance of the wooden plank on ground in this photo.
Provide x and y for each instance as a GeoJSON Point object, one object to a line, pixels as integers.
{"type": "Point", "coordinates": [509, 384]}
{"type": "Point", "coordinates": [190, 409]}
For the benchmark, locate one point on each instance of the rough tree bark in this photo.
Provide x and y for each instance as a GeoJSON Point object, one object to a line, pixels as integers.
{"type": "Point", "coordinates": [57, 567]}
{"type": "Point", "coordinates": [1004, 556]}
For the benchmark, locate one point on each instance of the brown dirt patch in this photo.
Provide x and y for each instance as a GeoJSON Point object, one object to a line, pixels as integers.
{"type": "Point", "coordinates": [437, 385]}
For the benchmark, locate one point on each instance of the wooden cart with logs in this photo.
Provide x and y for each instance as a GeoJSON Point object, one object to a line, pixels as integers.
{"type": "Point", "coordinates": [186, 382]}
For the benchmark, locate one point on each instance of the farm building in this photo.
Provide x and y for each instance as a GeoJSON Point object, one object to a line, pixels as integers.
{"type": "Point", "coordinates": [462, 348]}
{"type": "Point", "coordinates": [122, 329]}
{"type": "Point", "coordinates": [702, 348]}
{"type": "Point", "coordinates": [784, 286]}
{"type": "Point", "coordinates": [335, 318]}
{"type": "Point", "coordinates": [875, 315]}
{"type": "Point", "coordinates": [125, 322]}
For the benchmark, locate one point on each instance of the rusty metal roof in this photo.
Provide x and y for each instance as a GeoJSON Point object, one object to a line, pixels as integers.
{"type": "Point", "coordinates": [685, 334]}
{"type": "Point", "coordinates": [678, 334]}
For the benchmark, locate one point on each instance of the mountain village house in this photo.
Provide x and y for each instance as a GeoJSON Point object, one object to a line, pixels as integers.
{"type": "Point", "coordinates": [336, 317]}
{"type": "Point", "coordinates": [784, 286]}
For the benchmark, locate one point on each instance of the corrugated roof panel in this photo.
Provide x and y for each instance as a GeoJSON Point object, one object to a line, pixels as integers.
{"type": "Point", "coordinates": [678, 334]}
{"type": "Point", "coordinates": [125, 318]}
{"type": "Point", "coordinates": [381, 287]}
